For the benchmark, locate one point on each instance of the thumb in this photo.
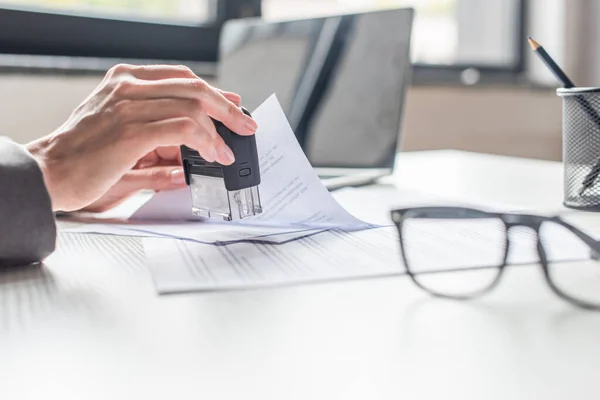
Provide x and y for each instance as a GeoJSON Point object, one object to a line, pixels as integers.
{"type": "Point", "coordinates": [154, 178]}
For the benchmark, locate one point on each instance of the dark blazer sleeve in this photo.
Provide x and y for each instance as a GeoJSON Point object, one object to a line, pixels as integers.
{"type": "Point", "coordinates": [27, 225]}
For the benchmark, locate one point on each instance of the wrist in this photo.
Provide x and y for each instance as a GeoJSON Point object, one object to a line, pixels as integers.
{"type": "Point", "coordinates": [37, 150]}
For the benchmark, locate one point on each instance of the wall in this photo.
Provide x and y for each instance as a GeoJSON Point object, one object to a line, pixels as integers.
{"type": "Point", "coordinates": [504, 121]}
{"type": "Point", "coordinates": [517, 122]}
{"type": "Point", "coordinates": [34, 105]}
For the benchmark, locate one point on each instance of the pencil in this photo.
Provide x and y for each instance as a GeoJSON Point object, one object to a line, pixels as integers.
{"type": "Point", "coordinates": [587, 107]}
{"type": "Point", "coordinates": [552, 66]}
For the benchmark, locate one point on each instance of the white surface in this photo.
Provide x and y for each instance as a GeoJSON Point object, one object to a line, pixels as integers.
{"type": "Point", "coordinates": [183, 266]}
{"type": "Point", "coordinates": [89, 325]}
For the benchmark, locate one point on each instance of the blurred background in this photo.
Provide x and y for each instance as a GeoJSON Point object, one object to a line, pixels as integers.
{"type": "Point", "coordinates": [476, 85]}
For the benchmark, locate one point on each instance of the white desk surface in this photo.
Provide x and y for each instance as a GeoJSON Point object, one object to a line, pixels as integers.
{"type": "Point", "coordinates": [89, 325]}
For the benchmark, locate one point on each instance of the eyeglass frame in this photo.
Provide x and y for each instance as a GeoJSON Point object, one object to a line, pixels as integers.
{"type": "Point", "coordinates": [510, 220]}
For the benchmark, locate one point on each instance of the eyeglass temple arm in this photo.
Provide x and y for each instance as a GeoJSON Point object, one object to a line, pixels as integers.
{"type": "Point", "coordinates": [587, 239]}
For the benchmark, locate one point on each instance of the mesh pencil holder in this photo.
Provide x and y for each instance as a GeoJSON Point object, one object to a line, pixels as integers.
{"type": "Point", "coordinates": [581, 147]}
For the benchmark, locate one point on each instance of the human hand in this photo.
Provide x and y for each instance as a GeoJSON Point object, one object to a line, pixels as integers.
{"type": "Point", "coordinates": [125, 136]}
{"type": "Point", "coordinates": [159, 170]}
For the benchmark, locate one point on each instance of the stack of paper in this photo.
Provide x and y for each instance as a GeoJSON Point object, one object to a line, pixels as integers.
{"type": "Point", "coordinates": [180, 266]}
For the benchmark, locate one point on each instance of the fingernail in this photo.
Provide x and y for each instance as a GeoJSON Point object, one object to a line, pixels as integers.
{"type": "Point", "coordinates": [227, 155]}
{"type": "Point", "coordinates": [251, 125]}
{"type": "Point", "coordinates": [177, 176]}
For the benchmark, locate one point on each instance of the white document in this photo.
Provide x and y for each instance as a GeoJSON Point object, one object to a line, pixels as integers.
{"type": "Point", "coordinates": [181, 266]}
{"type": "Point", "coordinates": [201, 232]}
{"type": "Point", "coordinates": [292, 196]}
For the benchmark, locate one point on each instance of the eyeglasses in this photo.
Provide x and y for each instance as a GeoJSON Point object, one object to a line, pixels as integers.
{"type": "Point", "coordinates": [475, 246]}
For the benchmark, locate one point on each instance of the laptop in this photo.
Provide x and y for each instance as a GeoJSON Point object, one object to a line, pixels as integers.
{"type": "Point", "coordinates": [341, 81]}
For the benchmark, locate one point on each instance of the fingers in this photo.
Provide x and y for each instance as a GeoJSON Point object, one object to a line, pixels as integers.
{"type": "Point", "coordinates": [224, 155]}
{"type": "Point", "coordinates": [156, 109]}
{"type": "Point", "coordinates": [172, 132]}
{"type": "Point", "coordinates": [156, 178]}
{"type": "Point", "coordinates": [149, 160]}
{"type": "Point", "coordinates": [162, 156]}
{"type": "Point", "coordinates": [174, 107]}
{"type": "Point", "coordinates": [152, 72]}
{"type": "Point", "coordinates": [144, 138]}
{"type": "Point", "coordinates": [232, 97]}
{"type": "Point", "coordinates": [214, 103]}
{"type": "Point", "coordinates": [158, 72]}
{"type": "Point", "coordinates": [171, 154]}
{"type": "Point", "coordinates": [221, 109]}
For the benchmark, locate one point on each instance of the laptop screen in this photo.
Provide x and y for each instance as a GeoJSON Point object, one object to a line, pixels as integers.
{"type": "Point", "coordinates": [341, 80]}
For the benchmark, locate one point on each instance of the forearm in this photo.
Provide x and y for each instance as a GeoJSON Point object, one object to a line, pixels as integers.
{"type": "Point", "coordinates": [27, 226]}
